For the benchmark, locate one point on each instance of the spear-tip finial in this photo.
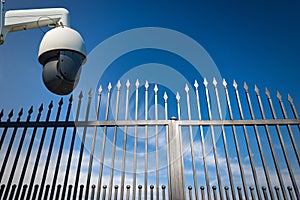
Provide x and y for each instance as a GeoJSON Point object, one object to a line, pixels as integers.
{"type": "Point", "coordinates": [196, 85]}
{"type": "Point", "coordinates": [100, 89]}
{"type": "Point", "coordinates": [235, 85]}
{"type": "Point", "coordinates": [155, 88]}
{"type": "Point", "coordinates": [205, 82]}
{"type": "Point", "coordinates": [224, 83]}
{"type": "Point", "coordinates": [279, 96]}
{"type": "Point", "coordinates": [109, 87]}
{"type": "Point", "coordinates": [119, 85]}
{"type": "Point", "coordinates": [215, 82]}
{"type": "Point", "coordinates": [165, 96]}
{"type": "Point", "coordinates": [256, 89]}
{"type": "Point", "coordinates": [186, 88]}
{"type": "Point", "coordinates": [177, 97]}
{"type": "Point", "coordinates": [290, 99]}
{"type": "Point", "coordinates": [246, 87]}
{"type": "Point", "coordinates": [137, 83]}
{"type": "Point", "coordinates": [127, 84]}
{"type": "Point", "coordinates": [146, 85]}
{"type": "Point", "coordinates": [268, 93]}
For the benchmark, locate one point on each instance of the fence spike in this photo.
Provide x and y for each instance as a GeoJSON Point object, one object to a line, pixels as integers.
{"type": "Point", "coordinates": [224, 83]}
{"type": "Point", "coordinates": [155, 89]}
{"type": "Point", "coordinates": [268, 93]}
{"type": "Point", "coordinates": [80, 95]}
{"type": "Point", "coordinates": [147, 85]}
{"type": "Point", "coordinates": [137, 83]}
{"type": "Point", "coordinates": [90, 92]}
{"type": "Point", "coordinates": [235, 85]}
{"type": "Point", "coordinates": [50, 105]}
{"type": "Point", "coordinates": [279, 96]}
{"type": "Point", "coordinates": [246, 87]}
{"type": "Point", "coordinates": [177, 97]}
{"type": "Point", "coordinates": [127, 83]}
{"type": "Point", "coordinates": [30, 111]}
{"type": "Point", "coordinates": [256, 89]}
{"type": "Point", "coordinates": [10, 115]}
{"type": "Point", "coordinates": [196, 85]}
{"type": "Point", "coordinates": [119, 84]}
{"type": "Point", "coordinates": [165, 96]}
{"type": "Point", "coordinates": [290, 99]}
{"type": "Point", "coordinates": [100, 89]}
{"type": "Point", "coordinates": [186, 88]}
{"type": "Point", "coordinates": [205, 82]}
{"type": "Point", "coordinates": [215, 83]}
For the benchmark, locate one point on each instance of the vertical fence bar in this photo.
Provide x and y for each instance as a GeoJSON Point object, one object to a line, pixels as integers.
{"type": "Point", "coordinates": [252, 193]}
{"type": "Point", "coordinates": [66, 178]}
{"type": "Point", "coordinates": [12, 139]}
{"type": "Point", "coordinates": [146, 142]}
{"type": "Point", "coordinates": [192, 143]}
{"type": "Point", "coordinates": [50, 151]}
{"type": "Point", "coordinates": [24, 168]}
{"type": "Point", "coordinates": [38, 156]}
{"type": "Point", "coordinates": [35, 191]}
{"type": "Point", "coordinates": [88, 179]}
{"type": "Point", "coordinates": [112, 168]}
{"type": "Point", "coordinates": [271, 146]}
{"type": "Point", "coordinates": [260, 146]}
{"type": "Point", "coordinates": [202, 193]}
{"type": "Point", "coordinates": [69, 192]}
{"type": "Point", "coordinates": [82, 146]}
{"type": "Point", "coordinates": [213, 140]}
{"type": "Point", "coordinates": [93, 192]}
{"type": "Point", "coordinates": [46, 191]}
{"type": "Point", "coordinates": [291, 134]}
{"type": "Point", "coordinates": [237, 147]}
{"type": "Point", "coordinates": [135, 140]}
{"type": "Point", "coordinates": [264, 189]}
{"type": "Point", "coordinates": [156, 142]}
{"type": "Point", "coordinates": [151, 191]}
{"type": "Point", "coordinates": [163, 187]}
{"type": "Point", "coordinates": [116, 192]}
{"type": "Point", "coordinates": [196, 85]}
{"type": "Point", "coordinates": [167, 142]}
{"type": "Point", "coordinates": [104, 192]}
{"type": "Point", "coordinates": [287, 161]}
{"type": "Point", "coordinates": [10, 115]}
{"type": "Point", "coordinates": [103, 143]}
{"type": "Point", "coordinates": [290, 189]}
{"type": "Point", "coordinates": [225, 142]}
{"type": "Point", "coordinates": [124, 143]}
{"type": "Point", "coordinates": [58, 161]}
{"type": "Point", "coordinates": [227, 193]}
{"type": "Point", "coordinates": [277, 192]}
{"type": "Point", "coordinates": [58, 189]}
{"type": "Point", "coordinates": [247, 140]}
{"type": "Point", "coordinates": [81, 188]}
{"type": "Point", "coordinates": [127, 192]}
{"type": "Point", "coordinates": [140, 192]}
{"type": "Point", "coordinates": [2, 190]}
{"type": "Point", "coordinates": [215, 192]}
{"type": "Point", "coordinates": [13, 169]}
{"type": "Point", "coordinates": [190, 192]}
{"type": "Point", "coordinates": [240, 193]}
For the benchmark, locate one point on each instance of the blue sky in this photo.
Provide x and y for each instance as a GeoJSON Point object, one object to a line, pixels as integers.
{"type": "Point", "coordinates": [257, 42]}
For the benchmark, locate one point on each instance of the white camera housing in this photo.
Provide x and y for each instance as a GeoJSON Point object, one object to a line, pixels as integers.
{"type": "Point", "coordinates": [62, 53]}
{"type": "Point", "coordinates": [62, 50]}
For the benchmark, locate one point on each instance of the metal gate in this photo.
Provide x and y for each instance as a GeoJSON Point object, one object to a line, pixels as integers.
{"type": "Point", "coordinates": [211, 142]}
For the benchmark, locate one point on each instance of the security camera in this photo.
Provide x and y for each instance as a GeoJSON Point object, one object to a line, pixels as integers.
{"type": "Point", "coordinates": [62, 53]}
{"type": "Point", "coordinates": [62, 50]}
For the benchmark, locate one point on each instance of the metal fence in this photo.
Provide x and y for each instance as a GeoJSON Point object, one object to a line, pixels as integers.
{"type": "Point", "coordinates": [140, 142]}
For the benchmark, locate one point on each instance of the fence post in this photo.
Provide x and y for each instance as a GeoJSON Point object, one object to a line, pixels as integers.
{"type": "Point", "coordinates": [176, 173]}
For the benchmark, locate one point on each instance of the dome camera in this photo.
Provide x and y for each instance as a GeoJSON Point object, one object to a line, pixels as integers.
{"type": "Point", "coordinates": [62, 53]}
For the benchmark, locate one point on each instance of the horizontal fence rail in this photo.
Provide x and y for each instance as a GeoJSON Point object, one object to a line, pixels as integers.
{"type": "Point", "coordinates": [133, 141]}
